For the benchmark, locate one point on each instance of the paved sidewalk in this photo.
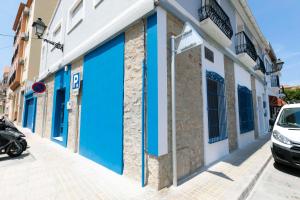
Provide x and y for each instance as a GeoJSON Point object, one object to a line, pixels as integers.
{"type": "Point", "coordinates": [49, 171]}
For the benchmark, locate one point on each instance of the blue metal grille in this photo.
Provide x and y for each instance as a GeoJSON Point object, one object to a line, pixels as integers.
{"type": "Point", "coordinates": [245, 109]}
{"type": "Point", "coordinates": [216, 107]}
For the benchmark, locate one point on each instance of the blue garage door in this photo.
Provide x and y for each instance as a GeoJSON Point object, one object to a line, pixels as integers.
{"type": "Point", "coordinates": [30, 113]}
{"type": "Point", "coordinates": [101, 135]}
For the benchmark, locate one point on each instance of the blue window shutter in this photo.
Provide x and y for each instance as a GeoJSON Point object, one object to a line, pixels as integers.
{"type": "Point", "coordinates": [216, 107]}
{"type": "Point", "coordinates": [246, 117]}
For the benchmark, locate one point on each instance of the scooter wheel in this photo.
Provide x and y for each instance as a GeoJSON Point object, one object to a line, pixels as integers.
{"type": "Point", "coordinates": [23, 143]}
{"type": "Point", "coordinates": [15, 149]}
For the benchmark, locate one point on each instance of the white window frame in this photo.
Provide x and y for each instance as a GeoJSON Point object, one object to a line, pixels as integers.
{"type": "Point", "coordinates": [72, 26]}
{"type": "Point", "coordinates": [58, 25]}
{"type": "Point", "coordinates": [97, 3]}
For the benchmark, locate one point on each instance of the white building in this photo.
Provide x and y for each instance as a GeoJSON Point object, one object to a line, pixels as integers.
{"type": "Point", "coordinates": [121, 49]}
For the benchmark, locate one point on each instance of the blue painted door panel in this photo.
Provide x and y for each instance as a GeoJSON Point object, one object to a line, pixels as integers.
{"type": "Point", "coordinates": [60, 110]}
{"type": "Point", "coordinates": [101, 135]}
{"type": "Point", "coordinates": [61, 95]}
{"type": "Point", "coordinates": [30, 113]}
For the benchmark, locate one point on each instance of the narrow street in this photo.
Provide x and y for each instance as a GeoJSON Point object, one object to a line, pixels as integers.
{"type": "Point", "coordinates": [277, 182]}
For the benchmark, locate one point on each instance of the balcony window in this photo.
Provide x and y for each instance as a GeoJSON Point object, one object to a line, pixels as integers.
{"type": "Point", "coordinates": [260, 65]}
{"type": "Point", "coordinates": [211, 9]}
{"type": "Point", "coordinates": [244, 45]}
{"type": "Point", "coordinates": [76, 14]}
{"type": "Point", "coordinates": [57, 35]}
{"type": "Point", "coordinates": [275, 81]}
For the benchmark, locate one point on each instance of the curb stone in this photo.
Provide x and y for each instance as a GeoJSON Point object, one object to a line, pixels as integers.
{"type": "Point", "coordinates": [244, 195]}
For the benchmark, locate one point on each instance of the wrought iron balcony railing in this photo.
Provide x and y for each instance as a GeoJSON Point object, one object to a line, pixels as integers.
{"type": "Point", "coordinates": [244, 45]}
{"type": "Point", "coordinates": [260, 65]}
{"type": "Point", "coordinates": [12, 78]}
{"type": "Point", "coordinates": [213, 10]}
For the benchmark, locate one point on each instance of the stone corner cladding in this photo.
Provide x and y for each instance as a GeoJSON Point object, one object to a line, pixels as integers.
{"type": "Point", "coordinates": [253, 88]}
{"type": "Point", "coordinates": [77, 66]}
{"type": "Point", "coordinates": [132, 129]}
{"type": "Point", "coordinates": [231, 103]}
{"type": "Point", "coordinates": [49, 81]}
{"type": "Point", "coordinates": [189, 111]}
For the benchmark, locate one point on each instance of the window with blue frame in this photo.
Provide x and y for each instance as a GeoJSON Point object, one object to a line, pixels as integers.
{"type": "Point", "coordinates": [216, 107]}
{"type": "Point", "coordinates": [245, 109]}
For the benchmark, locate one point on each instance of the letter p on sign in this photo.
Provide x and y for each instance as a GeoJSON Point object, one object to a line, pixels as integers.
{"type": "Point", "coordinates": [76, 82]}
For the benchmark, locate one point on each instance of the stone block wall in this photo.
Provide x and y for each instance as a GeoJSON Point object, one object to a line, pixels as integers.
{"type": "Point", "coordinates": [39, 113]}
{"type": "Point", "coordinates": [132, 130]}
{"type": "Point", "coordinates": [189, 115]}
{"type": "Point", "coordinates": [47, 101]}
{"type": "Point", "coordinates": [73, 129]}
{"type": "Point", "coordinates": [231, 103]}
{"type": "Point", "coordinates": [253, 88]}
{"type": "Point", "coordinates": [49, 81]}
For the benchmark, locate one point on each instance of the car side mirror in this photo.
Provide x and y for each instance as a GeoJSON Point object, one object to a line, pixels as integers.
{"type": "Point", "coordinates": [271, 122]}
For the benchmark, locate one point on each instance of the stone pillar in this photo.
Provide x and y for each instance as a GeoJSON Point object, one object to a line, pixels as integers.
{"type": "Point", "coordinates": [73, 128]}
{"type": "Point", "coordinates": [230, 103]}
{"type": "Point", "coordinates": [253, 88]}
{"type": "Point", "coordinates": [49, 81]}
{"type": "Point", "coordinates": [132, 130]}
{"type": "Point", "coordinates": [39, 114]}
{"type": "Point", "coordinates": [189, 113]}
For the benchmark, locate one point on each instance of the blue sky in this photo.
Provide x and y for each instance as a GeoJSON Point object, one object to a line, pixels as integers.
{"type": "Point", "coordinates": [8, 13]}
{"type": "Point", "coordinates": [278, 20]}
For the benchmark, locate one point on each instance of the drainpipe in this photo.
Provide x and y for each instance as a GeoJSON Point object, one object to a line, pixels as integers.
{"type": "Point", "coordinates": [144, 102]}
{"type": "Point", "coordinates": [143, 124]}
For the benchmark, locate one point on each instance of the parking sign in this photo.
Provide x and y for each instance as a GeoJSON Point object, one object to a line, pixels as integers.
{"type": "Point", "coordinates": [76, 82]}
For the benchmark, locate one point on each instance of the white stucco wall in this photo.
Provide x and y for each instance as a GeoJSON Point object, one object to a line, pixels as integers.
{"type": "Point", "coordinates": [243, 78]}
{"type": "Point", "coordinates": [214, 151]}
{"type": "Point", "coordinates": [262, 119]}
{"type": "Point", "coordinates": [98, 25]}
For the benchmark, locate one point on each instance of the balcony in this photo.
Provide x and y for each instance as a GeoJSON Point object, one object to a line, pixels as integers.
{"type": "Point", "coordinates": [215, 22]}
{"type": "Point", "coordinates": [245, 50]}
{"type": "Point", "coordinates": [260, 67]}
{"type": "Point", "coordinates": [14, 78]}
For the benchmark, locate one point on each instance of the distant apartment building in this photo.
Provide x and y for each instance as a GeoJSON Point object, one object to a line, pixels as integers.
{"type": "Point", "coordinates": [3, 90]}
{"type": "Point", "coordinates": [26, 59]}
{"type": "Point", "coordinates": [118, 52]}
{"type": "Point", "coordinates": [274, 90]}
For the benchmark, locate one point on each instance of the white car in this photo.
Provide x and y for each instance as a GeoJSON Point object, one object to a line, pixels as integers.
{"type": "Point", "coordinates": [285, 138]}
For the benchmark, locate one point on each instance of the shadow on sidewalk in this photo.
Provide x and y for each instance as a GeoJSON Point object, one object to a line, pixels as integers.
{"type": "Point", "coordinates": [236, 158]}
{"type": "Point", "coordinates": [21, 157]}
{"type": "Point", "coordinates": [239, 156]}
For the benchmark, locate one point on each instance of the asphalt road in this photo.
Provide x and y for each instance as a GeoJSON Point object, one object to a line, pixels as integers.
{"type": "Point", "coordinates": [277, 182]}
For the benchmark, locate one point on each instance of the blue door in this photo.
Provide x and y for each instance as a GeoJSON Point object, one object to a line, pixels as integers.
{"type": "Point", "coordinates": [59, 131]}
{"type": "Point", "coordinates": [30, 113]}
{"type": "Point", "coordinates": [60, 112]}
{"type": "Point", "coordinates": [101, 135]}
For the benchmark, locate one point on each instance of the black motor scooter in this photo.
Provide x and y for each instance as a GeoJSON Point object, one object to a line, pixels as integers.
{"type": "Point", "coordinates": [12, 141]}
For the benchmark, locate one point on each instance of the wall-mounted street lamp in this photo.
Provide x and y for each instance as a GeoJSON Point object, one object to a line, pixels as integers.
{"type": "Point", "coordinates": [39, 28]}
